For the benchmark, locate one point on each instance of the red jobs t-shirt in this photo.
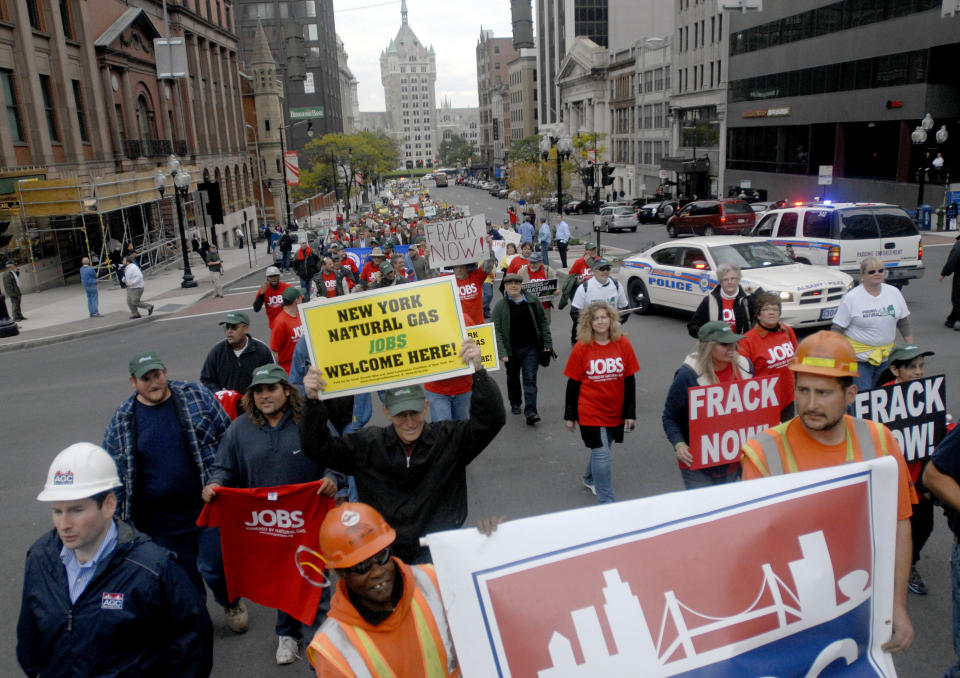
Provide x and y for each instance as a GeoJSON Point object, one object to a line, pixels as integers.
{"type": "Point", "coordinates": [273, 300]}
{"type": "Point", "coordinates": [329, 288]}
{"type": "Point", "coordinates": [580, 268]}
{"type": "Point", "coordinates": [471, 293]}
{"type": "Point", "coordinates": [262, 530]}
{"type": "Point", "coordinates": [729, 316]}
{"type": "Point", "coordinates": [601, 371]}
{"type": "Point", "coordinates": [771, 353]}
{"type": "Point", "coordinates": [284, 334]}
{"type": "Point", "coordinates": [518, 263]}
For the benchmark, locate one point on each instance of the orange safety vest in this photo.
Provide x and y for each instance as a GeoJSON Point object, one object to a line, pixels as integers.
{"type": "Point", "coordinates": [779, 455]}
{"type": "Point", "coordinates": [355, 653]}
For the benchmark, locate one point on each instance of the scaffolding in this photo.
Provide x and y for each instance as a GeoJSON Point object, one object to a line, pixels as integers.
{"type": "Point", "coordinates": [120, 210]}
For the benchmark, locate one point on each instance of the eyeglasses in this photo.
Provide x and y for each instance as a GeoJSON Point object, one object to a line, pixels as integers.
{"type": "Point", "coordinates": [874, 271]}
{"type": "Point", "coordinates": [364, 567]}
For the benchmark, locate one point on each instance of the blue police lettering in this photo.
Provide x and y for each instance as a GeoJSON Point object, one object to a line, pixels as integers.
{"type": "Point", "coordinates": [672, 283]}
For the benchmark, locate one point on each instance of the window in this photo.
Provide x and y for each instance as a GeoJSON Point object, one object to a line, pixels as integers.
{"type": "Point", "coordinates": [46, 92]}
{"type": "Point", "coordinates": [788, 225]}
{"type": "Point", "coordinates": [35, 14]}
{"type": "Point", "coordinates": [81, 114]}
{"type": "Point", "coordinates": [10, 100]}
{"type": "Point", "coordinates": [66, 19]}
{"type": "Point", "coordinates": [817, 224]}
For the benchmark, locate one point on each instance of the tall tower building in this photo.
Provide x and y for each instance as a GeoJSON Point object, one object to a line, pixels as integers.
{"type": "Point", "coordinates": [320, 84]}
{"type": "Point", "coordinates": [268, 108]}
{"type": "Point", "coordinates": [408, 70]}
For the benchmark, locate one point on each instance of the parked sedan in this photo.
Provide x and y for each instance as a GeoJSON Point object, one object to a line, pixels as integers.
{"type": "Point", "coordinates": [678, 274]}
{"type": "Point", "coordinates": [618, 218]}
{"type": "Point", "coordinates": [581, 206]}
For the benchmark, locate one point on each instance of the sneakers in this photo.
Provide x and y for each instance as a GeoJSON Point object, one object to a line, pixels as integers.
{"type": "Point", "coordinates": [150, 310]}
{"type": "Point", "coordinates": [287, 647]}
{"type": "Point", "coordinates": [134, 317]}
{"type": "Point", "coordinates": [916, 584]}
{"type": "Point", "coordinates": [590, 486]}
{"type": "Point", "coordinates": [237, 619]}
{"type": "Point", "coordinates": [532, 419]}
{"type": "Point", "coordinates": [516, 409]}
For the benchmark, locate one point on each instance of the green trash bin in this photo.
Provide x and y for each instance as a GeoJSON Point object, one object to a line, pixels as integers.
{"type": "Point", "coordinates": [940, 217]}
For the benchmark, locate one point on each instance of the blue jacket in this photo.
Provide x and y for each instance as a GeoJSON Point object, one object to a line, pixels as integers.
{"type": "Point", "coordinates": [155, 626]}
{"type": "Point", "coordinates": [202, 421]}
{"type": "Point", "coordinates": [88, 276]}
{"type": "Point", "coordinates": [676, 409]}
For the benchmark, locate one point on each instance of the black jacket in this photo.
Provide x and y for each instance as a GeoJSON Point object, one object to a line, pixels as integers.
{"type": "Point", "coordinates": [704, 313]}
{"type": "Point", "coordinates": [224, 370]}
{"type": "Point", "coordinates": [307, 267]}
{"type": "Point", "coordinates": [424, 492]}
{"type": "Point", "coordinates": [156, 624]}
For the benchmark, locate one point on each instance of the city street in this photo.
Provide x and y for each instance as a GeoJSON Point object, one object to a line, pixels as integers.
{"type": "Point", "coordinates": [64, 393]}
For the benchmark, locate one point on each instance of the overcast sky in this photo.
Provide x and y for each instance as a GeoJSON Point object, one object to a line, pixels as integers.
{"type": "Point", "coordinates": [451, 26]}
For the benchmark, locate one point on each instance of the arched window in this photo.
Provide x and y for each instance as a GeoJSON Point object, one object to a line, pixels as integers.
{"type": "Point", "coordinates": [146, 122]}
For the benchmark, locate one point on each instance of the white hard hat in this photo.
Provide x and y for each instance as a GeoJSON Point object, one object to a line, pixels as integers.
{"type": "Point", "coordinates": [272, 270]}
{"type": "Point", "coordinates": [80, 471]}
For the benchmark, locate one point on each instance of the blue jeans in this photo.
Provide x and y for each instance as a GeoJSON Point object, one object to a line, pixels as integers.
{"type": "Point", "coordinates": [362, 411]}
{"type": "Point", "coordinates": [693, 479]}
{"type": "Point", "coordinates": [867, 374]}
{"type": "Point", "coordinates": [285, 262]}
{"type": "Point", "coordinates": [954, 671]}
{"type": "Point", "coordinates": [598, 469]}
{"type": "Point", "coordinates": [487, 298]}
{"type": "Point", "coordinates": [456, 407]}
{"type": "Point", "coordinates": [291, 626]}
{"type": "Point", "coordinates": [523, 360]}
{"type": "Point", "coordinates": [305, 286]}
{"type": "Point", "coordinates": [92, 299]}
{"type": "Point", "coordinates": [199, 554]}
{"type": "Point", "coordinates": [545, 251]}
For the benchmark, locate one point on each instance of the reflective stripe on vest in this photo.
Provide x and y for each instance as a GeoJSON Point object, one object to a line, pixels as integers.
{"type": "Point", "coordinates": [776, 447]}
{"type": "Point", "coordinates": [334, 644]}
{"type": "Point", "coordinates": [431, 594]}
{"type": "Point", "coordinates": [355, 653]}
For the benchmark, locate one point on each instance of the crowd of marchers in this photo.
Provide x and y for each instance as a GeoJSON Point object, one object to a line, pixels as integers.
{"type": "Point", "coordinates": [119, 586]}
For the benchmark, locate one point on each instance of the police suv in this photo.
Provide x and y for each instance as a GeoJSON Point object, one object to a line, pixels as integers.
{"type": "Point", "coordinates": [677, 274]}
{"type": "Point", "coordinates": [840, 235]}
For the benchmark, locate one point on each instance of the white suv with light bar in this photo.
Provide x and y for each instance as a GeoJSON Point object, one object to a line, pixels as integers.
{"type": "Point", "coordinates": [842, 234]}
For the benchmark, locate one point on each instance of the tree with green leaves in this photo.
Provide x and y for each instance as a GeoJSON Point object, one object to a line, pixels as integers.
{"type": "Point", "coordinates": [338, 162]}
{"type": "Point", "coordinates": [454, 150]}
{"type": "Point", "coordinates": [525, 150]}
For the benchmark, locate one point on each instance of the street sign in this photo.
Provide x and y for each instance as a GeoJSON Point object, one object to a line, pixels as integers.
{"type": "Point", "coordinates": [826, 175]}
{"type": "Point", "coordinates": [292, 162]}
{"type": "Point", "coordinates": [663, 174]}
{"type": "Point", "coordinates": [306, 113]}
{"type": "Point", "coordinates": [171, 57]}
{"type": "Point", "coordinates": [630, 171]}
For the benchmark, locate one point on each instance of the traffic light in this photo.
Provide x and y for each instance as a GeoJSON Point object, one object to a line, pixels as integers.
{"type": "Point", "coordinates": [607, 174]}
{"type": "Point", "coordinates": [5, 237]}
{"type": "Point", "coordinates": [586, 176]}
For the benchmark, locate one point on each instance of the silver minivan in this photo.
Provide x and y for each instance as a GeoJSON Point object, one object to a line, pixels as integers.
{"type": "Point", "coordinates": [843, 234]}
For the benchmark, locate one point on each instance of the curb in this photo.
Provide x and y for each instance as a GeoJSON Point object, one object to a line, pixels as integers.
{"type": "Point", "coordinates": [93, 331]}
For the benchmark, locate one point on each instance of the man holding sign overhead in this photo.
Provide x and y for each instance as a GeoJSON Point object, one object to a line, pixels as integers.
{"type": "Point", "coordinates": [412, 471]}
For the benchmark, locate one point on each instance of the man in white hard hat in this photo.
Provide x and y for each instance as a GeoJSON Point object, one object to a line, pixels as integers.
{"type": "Point", "coordinates": [99, 597]}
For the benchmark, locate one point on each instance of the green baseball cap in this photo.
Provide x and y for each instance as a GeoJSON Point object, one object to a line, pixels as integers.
{"type": "Point", "coordinates": [386, 267]}
{"type": "Point", "coordinates": [268, 374]}
{"type": "Point", "coordinates": [907, 352]}
{"type": "Point", "coordinates": [235, 318]}
{"type": "Point", "coordinates": [590, 246]}
{"type": "Point", "coordinates": [405, 399]}
{"type": "Point", "coordinates": [291, 294]}
{"type": "Point", "coordinates": [718, 331]}
{"type": "Point", "coordinates": [143, 362]}
{"type": "Point", "coordinates": [601, 263]}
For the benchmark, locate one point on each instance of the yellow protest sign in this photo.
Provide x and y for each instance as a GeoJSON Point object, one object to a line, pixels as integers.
{"type": "Point", "coordinates": [395, 336]}
{"type": "Point", "coordinates": [483, 335]}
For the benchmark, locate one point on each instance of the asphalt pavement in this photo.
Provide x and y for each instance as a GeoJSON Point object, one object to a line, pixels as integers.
{"type": "Point", "coordinates": [63, 392]}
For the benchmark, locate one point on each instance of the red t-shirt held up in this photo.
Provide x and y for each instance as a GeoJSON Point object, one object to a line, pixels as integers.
{"type": "Point", "coordinates": [268, 536]}
{"type": "Point", "coordinates": [601, 369]}
{"type": "Point", "coordinates": [471, 293]}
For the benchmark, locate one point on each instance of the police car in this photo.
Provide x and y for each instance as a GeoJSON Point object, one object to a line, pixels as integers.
{"type": "Point", "coordinates": [677, 274]}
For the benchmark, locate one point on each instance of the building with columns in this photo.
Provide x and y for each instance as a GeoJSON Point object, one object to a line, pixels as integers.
{"type": "Point", "coordinates": [408, 71]}
{"type": "Point", "coordinates": [584, 95]}
{"type": "Point", "coordinates": [87, 115]}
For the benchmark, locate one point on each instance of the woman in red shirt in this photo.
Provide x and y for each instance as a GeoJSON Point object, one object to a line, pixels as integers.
{"type": "Point", "coordinates": [770, 346]}
{"type": "Point", "coordinates": [601, 391]}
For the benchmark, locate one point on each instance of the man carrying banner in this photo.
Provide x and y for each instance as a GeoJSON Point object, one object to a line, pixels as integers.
{"type": "Point", "coordinates": [823, 435]}
{"type": "Point", "coordinates": [412, 471]}
{"type": "Point", "coordinates": [262, 449]}
{"type": "Point", "coordinates": [537, 269]}
{"type": "Point", "coordinates": [385, 613]}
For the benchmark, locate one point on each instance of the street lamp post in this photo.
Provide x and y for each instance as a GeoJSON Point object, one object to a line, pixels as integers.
{"type": "Point", "coordinates": [919, 139]}
{"type": "Point", "coordinates": [181, 184]}
{"type": "Point", "coordinates": [564, 146]}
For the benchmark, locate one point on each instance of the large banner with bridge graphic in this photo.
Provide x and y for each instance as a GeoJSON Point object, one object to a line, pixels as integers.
{"type": "Point", "coordinates": [757, 579]}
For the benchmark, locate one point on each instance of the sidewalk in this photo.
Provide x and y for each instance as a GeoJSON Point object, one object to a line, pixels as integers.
{"type": "Point", "coordinates": [60, 313]}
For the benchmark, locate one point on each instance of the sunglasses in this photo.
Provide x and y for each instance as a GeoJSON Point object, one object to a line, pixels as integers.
{"type": "Point", "coordinates": [874, 271]}
{"type": "Point", "coordinates": [364, 567]}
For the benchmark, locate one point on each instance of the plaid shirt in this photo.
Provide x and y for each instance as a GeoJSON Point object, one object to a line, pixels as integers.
{"type": "Point", "coordinates": [202, 420]}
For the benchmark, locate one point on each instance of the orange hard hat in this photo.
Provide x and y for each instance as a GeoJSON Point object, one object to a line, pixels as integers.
{"type": "Point", "coordinates": [826, 353]}
{"type": "Point", "coordinates": [353, 532]}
